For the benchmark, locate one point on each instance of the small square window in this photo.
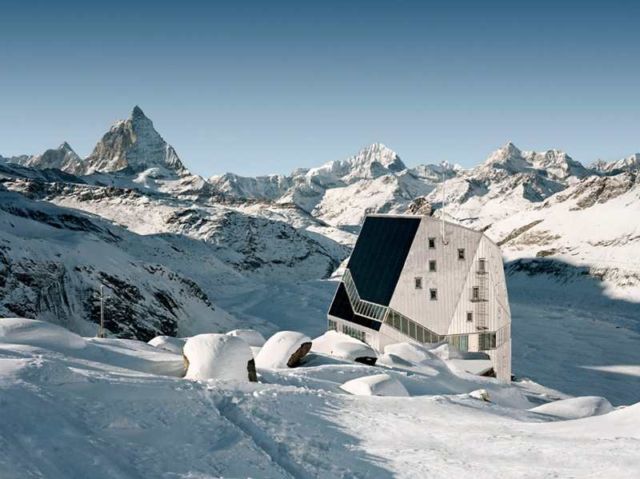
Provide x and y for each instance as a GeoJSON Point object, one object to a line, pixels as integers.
{"type": "Point", "coordinates": [418, 282]}
{"type": "Point", "coordinates": [433, 294]}
{"type": "Point", "coordinates": [432, 265]}
{"type": "Point", "coordinates": [432, 243]}
{"type": "Point", "coordinates": [460, 253]}
{"type": "Point", "coordinates": [469, 316]}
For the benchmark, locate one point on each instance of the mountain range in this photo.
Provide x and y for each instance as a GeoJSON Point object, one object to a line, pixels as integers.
{"type": "Point", "coordinates": [164, 242]}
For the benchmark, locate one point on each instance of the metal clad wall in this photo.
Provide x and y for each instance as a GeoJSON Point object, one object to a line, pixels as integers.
{"type": "Point", "coordinates": [448, 279]}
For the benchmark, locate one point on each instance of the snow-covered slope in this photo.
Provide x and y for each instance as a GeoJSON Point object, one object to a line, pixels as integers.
{"type": "Point", "coordinates": [52, 261]}
{"type": "Point", "coordinates": [121, 409]}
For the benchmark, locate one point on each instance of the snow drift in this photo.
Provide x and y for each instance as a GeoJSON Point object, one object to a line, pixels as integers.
{"type": "Point", "coordinates": [576, 408]}
{"type": "Point", "coordinates": [252, 337]}
{"type": "Point", "coordinates": [168, 343]}
{"type": "Point", "coordinates": [376, 385]}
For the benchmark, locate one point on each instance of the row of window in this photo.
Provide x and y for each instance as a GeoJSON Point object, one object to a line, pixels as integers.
{"type": "Point", "coordinates": [432, 245]}
{"type": "Point", "coordinates": [411, 328]}
{"type": "Point", "coordinates": [433, 292]}
{"type": "Point", "coordinates": [353, 332]}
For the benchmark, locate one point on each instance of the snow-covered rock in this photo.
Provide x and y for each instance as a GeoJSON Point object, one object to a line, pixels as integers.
{"type": "Point", "coordinates": [168, 343]}
{"type": "Point", "coordinates": [252, 337]}
{"type": "Point", "coordinates": [218, 356]}
{"type": "Point", "coordinates": [375, 385]}
{"type": "Point", "coordinates": [343, 346]}
{"type": "Point", "coordinates": [575, 408]}
{"type": "Point", "coordinates": [283, 349]}
{"type": "Point", "coordinates": [481, 394]}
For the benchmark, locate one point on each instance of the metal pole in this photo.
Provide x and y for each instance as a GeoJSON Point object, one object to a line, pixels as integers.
{"type": "Point", "coordinates": [101, 330]}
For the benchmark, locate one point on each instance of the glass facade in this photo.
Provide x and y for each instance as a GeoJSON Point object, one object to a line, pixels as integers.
{"type": "Point", "coordinates": [461, 342]}
{"type": "Point", "coordinates": [353, 332]}
{"type": "Point", "coordinates": [411, 328]}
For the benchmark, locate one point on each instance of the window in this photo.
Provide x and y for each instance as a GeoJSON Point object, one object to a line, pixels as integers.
{"type": "Point", "coordinates": [433, 294]}
{"type": "Point", "coordinates": [460, 342]}
{"type": "Point", "coordinates": [353, 332]}
{"type": "Point", "coordinates": [469, 316]}
{"type": "Point", "coordinates": [333, 326]}
{"type": "Point", "coordinates": [432, 266]}
{"type": "Point", "coordinates": [475, 293]}
{"type": "Point", "coordinates": [487, 341]}
{"type": "Point", "coordinates": [418, 282]}
{"type": "Point", "coordinates": [432, 243]}
{"type": "Point", "coordinates": [482, 265]}
{"type": "Point", "coordinates": [460, 253]}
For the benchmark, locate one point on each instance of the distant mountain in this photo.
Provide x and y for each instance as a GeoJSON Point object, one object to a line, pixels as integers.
{"type": "Point", "coordinates": [61, 158]}
{"type": "Point", "coordinates": [631, 163]}
{"type": "Point", "coordinates": [300, 226]}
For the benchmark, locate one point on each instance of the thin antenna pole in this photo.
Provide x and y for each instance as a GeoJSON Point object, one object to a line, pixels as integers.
{"type": "Point", "coordinates": [101, 330]}
{"type": "Point", "coordinates": [444, 241]}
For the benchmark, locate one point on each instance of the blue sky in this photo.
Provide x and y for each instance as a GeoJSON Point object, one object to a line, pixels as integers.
{"type": "Point", "coordinates": [262, 87]}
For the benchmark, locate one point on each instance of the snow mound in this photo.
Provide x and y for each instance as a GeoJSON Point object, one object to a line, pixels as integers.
{"type": "Point", "coordinates": [39, 334]}
{"type": "Point", "coordinates": [343, 346]}
{"type": "Point", "coordinates": [283, 349]}
{"type": "Point", "coordinates": [376, 385]}
{"type": "Point", "coordinates": [252, 337]}
{"type": "Point", "coordinates": [168, 343]}
{"type": "Point", "coordinates": [218, 356]}
{"type": "Point", "coordinates": [576, 408]}
{"type": "Point", "coordinates": [410, 352]}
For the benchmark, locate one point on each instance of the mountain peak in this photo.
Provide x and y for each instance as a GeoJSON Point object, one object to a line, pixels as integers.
{"type": "Point", "coordinates": [138, 114]}
{"type": "Point", "coordinates": [378, 153]}
{"type": "Point", "coordinates": [134, 145]}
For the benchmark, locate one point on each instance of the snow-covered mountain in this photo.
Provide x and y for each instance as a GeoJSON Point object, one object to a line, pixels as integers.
{"type": "Point", "coordinates": [301, 225]}
{"type": "Point", "coordinates": [134, 145]}
{"type": "Point", "coordinates": [61, 158]}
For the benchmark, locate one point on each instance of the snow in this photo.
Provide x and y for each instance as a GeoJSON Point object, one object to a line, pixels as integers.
{"type": "Point", "coordinates": [376, 385]}
{"type": "Point", "coordinates": [118, 418]}
{"type": "Point", "coordinates": [38, 334]}
{"type": "Point", "coordinates": [277, 351]}
{"type": "Point", "coordinates": [250, 336]}
{"type": "Point", "coordinates": [217, 356]}
{"type": "Point", "coordinates": [169, 343]}
{"type": "Point", "coordinates": [342, 346]}
{"type": "Point", "coordinates": [576, 408]}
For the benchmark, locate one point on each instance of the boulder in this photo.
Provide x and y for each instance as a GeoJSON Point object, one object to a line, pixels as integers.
{"type": "Point", "coordinates": [282, 350]}
{"type": "Point", "coordinates": [219, 356]}
{"type": "Point", "coordinates": [343, 346]}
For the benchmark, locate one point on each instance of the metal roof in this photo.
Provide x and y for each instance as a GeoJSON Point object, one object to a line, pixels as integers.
{"type": "Point", "coordinates": [379, 255]}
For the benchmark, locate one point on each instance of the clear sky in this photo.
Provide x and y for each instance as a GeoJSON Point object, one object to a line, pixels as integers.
{"type": "Point", "coordinates": [267, 86]}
